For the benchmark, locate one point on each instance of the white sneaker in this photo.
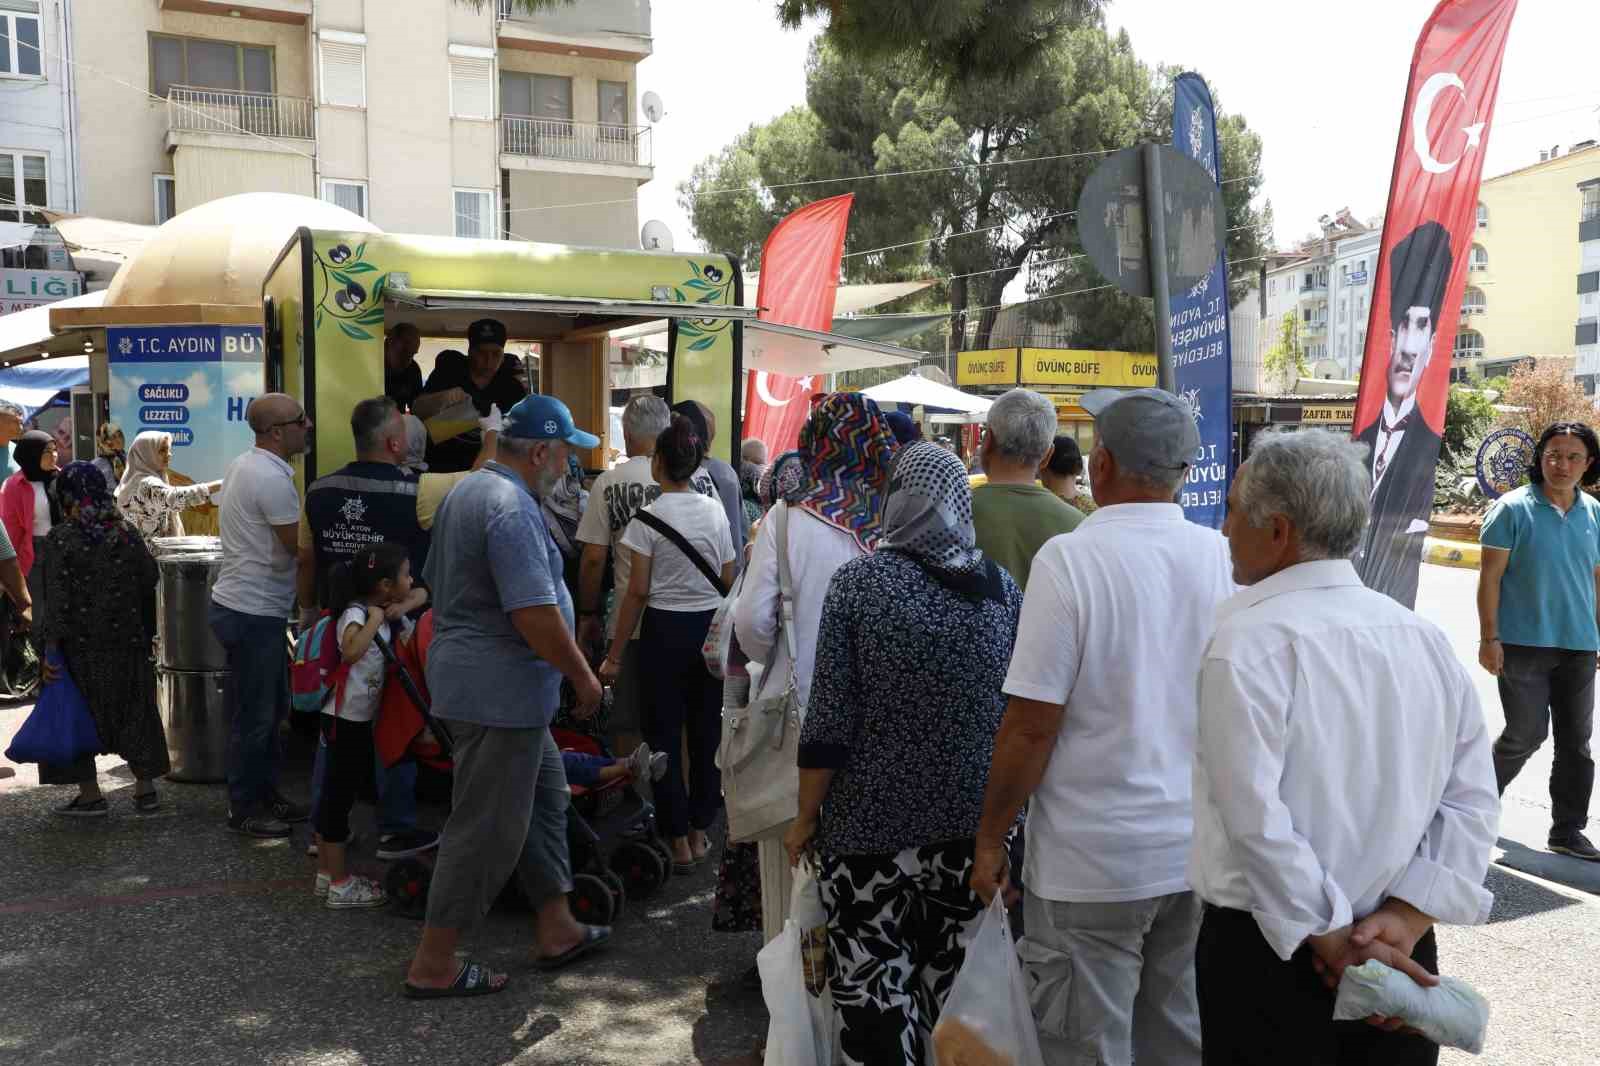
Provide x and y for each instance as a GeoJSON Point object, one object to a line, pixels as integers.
{"type": "Point", "coordinates": [321, 889]}
{"type": "Point", "coordinates": [356, 892]}
{"type": "Point", "coordinates": [646, 766]}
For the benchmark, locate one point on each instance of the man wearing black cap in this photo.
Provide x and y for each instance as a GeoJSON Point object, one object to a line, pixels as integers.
{"type": "Point", "coordinates": [1404, 447]}
{"type": "Point", "coordinates": [486, 376]}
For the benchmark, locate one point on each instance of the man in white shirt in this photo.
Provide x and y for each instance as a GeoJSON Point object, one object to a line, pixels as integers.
{"type": "Point", "coordinates": [250, 604]}
{"type": "Point", "coordinates": [1344, 792]}
{"type": "Point", "coordinates": [1100, 732]}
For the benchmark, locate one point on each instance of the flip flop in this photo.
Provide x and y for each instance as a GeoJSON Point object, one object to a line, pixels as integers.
{"type": "Point", "coordinates": [594, 936]}
{"type": "Point", "coordinates": [473, 980]}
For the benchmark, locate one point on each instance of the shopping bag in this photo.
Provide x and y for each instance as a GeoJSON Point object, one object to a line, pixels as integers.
{"type": "Point", "coordinates": [811, 918]}
{"type": "Point", "coordinates": [790, 1038]}
{"type": "Point", "coordinates": [60, 729]}
{"type": "Point", "coordinates": [987, 1021]}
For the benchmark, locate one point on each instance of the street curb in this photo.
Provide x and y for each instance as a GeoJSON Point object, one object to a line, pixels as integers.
{"type": "Point", "coordinates": [1459, 553]}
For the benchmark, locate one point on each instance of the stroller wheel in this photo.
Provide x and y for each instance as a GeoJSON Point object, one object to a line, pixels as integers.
{"type": "Point", "coordinates": [619, 894]}
{"type": "Point", "coordinates": [640, 868]}
{"type": "Point", "coordinates": [406, 885]}
{"type": "Point", "coordinates": [591, 900]}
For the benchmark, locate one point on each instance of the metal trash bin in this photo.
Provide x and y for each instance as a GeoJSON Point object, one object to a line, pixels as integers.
{"type": "Point", "coordinates": [192, 666]}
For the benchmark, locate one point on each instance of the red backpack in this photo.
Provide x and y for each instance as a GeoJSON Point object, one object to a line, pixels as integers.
{"type": "Point", "coordinates": [318, 671]}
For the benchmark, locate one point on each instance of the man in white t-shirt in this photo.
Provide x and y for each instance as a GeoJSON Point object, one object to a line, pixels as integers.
{"type": "Point", "coordinates": [1100, 732]}
{"type": "Point", "coordinates": [250, 604]}
{"type": "Point", "coordinates": [616, 496]}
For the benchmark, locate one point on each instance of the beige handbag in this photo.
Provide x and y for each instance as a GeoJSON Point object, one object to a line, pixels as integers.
{"type": "Point", "coordinates": [761, 740]}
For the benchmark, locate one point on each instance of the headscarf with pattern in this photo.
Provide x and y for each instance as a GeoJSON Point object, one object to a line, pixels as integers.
{"type": "Point", "coordinates": [105, 442]}
{"type": "Point", "coordinates": [928, 516]}
{"type": "Point", "coordinates": [848, 450]}
{"type": "Point", "coordinates": [88, 506]}
{"type": "Point", "coordinates": [144, 461]}
{"type": "Point", "coordinates": [782, 480]}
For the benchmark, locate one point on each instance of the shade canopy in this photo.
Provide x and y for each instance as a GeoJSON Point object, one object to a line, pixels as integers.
{"type": "Point", "coordinates": [25, 334]}
{"type": "Point", "coordinates": [34, 385]}
{"type": "Point", "coordinates": [917, 391]}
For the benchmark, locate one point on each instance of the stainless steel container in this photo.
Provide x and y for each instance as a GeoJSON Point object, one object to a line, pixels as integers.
{"type": "Point", "coordinates": [195, 713]}
{"type": "Point", "coordinates": [184, 638]}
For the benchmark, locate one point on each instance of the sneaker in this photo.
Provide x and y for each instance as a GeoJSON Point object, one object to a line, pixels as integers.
{"type": "Point", "coordinates": [354, 892]}
{"type": "Point", "coordinates": [404, 844]}
{"type": "Point", "coordinates": [320, 890]}
{"type": "Point", "coordinates": [285, 811]}
{"type": "Point", "coordinates": [76, 808]}
{"type": "Point", "coordinates": [258, 825]}
{"type": "Point", "coordinates": [647, 767]}
{"type": "Point", "coordinates": [351, 844]}
{"type": "Point", "coordinates": [1577, 845]}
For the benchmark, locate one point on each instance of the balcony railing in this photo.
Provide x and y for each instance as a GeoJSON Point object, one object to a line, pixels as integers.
{"type": "Point", "coordinates": [580, 142]}
{"type": "Point", "coordinates": [195, 110]}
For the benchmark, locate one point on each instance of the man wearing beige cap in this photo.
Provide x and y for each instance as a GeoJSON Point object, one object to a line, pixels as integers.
{"type": "Point", "coordinates": [1100, 733]}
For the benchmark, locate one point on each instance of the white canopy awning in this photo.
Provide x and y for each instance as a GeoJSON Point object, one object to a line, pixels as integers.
{"type": "Point", "coordinates": [918, 391]}
{"type": "Point", "coordinates": [24, 334]}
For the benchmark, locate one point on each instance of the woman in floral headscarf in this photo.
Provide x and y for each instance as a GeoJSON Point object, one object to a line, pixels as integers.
{"type": "Point", "coordinates": [111, 455]}
{"type": "Point", "coordinates": [831, 514]}
{"type": "Point", "coordinates": [100, 617]}
{"type": "Point", "coordinates": [146, 495]}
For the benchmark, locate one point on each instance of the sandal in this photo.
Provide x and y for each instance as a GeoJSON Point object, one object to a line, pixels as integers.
{"type": "Point", "coordinates": [594, 936]}
{"type": "Point", "coordinates": [77, 809]}
{"type": "Point", "coordinates": [473, 979]}
{"type": "Point", "coordinates": [146, 802]}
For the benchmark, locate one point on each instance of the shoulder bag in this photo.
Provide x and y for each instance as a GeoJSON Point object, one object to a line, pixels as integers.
{"type": "Point", "coordinates": [760, 744]}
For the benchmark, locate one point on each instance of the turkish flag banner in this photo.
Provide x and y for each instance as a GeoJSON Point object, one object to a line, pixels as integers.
{"type": "Point", "coordinates": [1425, 255]}
{"type": "Point", "coordinates": [799, 283]}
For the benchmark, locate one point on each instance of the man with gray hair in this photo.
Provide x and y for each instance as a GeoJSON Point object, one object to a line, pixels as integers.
{"type": "Point", "coordinates": [754, 451]}
{"type": "Point", "coordinates": [1099, 732]}
{"type": "Point", "coordinates": [1013, 514]}
{"type": "Point", "coordinates": [1344, 792]}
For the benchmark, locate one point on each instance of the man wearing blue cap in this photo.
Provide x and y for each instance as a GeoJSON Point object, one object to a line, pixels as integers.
{"type": "Point", "coordinates": [502, 643]}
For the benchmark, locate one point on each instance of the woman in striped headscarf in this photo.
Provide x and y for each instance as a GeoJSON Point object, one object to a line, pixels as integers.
{"type": "Point", "coordinates": [833, 515]}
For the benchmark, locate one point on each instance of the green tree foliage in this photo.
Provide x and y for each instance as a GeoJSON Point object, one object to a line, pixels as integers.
{"type": "Point", "coordinates": [1467, 415]}
{"type": "Point", "coordinates": [1287, 355]}
{"type": "Point", "coordinates": [1087, 94]}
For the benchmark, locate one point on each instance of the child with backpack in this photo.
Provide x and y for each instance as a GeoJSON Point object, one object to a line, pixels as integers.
{"type": "Point", "coordinates": [373, 588]}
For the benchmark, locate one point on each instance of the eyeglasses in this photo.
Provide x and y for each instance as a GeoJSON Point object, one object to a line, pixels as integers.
{"type": "Point", "coordinates": [301, 421]}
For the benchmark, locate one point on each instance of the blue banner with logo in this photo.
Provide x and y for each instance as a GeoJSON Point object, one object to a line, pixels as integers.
{"type": "Point", "coordinates": [193, 382]}
{"type": "Point", "coordinates": [1201, 348]}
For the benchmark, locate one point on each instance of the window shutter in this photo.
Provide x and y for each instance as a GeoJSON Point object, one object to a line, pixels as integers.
{"type": "Point", "coordinates": [344, 74]}
{"type": "Point", "coordinates": [471, 87]}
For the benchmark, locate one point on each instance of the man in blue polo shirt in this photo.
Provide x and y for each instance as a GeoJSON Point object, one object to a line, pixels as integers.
{"type": "Point", "coordinates": [1536, 615]}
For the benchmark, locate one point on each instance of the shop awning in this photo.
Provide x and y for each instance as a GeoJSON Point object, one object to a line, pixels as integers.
{"type": "Point", "coordinates": [25, 334]}
{"type": "Point", "coordinates": [33, 386]}
{"type": "Point", "coordinates": [917, 391]}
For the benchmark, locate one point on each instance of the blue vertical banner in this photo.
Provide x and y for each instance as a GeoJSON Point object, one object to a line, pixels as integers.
{"type": "Point", "coordinates": [193, 382]}
{"type": "Point", "coordinates": [1201, 348]}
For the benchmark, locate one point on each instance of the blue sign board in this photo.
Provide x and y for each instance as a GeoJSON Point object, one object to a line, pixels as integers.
{"type": "Point", "coordinates": [1201, 350]}
{"type": "Point", "coordinates": [193, 382]}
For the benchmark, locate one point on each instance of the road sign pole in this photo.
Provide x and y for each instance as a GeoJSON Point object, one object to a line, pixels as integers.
{"type": "Point", "coordinates": [1156, 247]}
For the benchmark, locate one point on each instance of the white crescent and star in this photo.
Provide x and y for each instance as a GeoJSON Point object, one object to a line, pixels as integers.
{"type": "Point", "coordinates": [766, 394]}
{"type": "Point", "coordinates": [1422, 111]}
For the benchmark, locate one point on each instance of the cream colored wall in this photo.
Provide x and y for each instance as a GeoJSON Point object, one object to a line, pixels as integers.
{"type": "Point", "coordinates": [474, 154]}
{"type": "Point", "coordinates": [586, 75]}
{"type": "Point", "coordinates": [206, 174]}
{"type": "Point", "coordinates": [1531, 287]}
{"type": "Point", "coordinates": [122, 130]}
{"type": "Point", "coordinates": [608, 226]}
{"type": "Point", "coordinates": [408, 116]}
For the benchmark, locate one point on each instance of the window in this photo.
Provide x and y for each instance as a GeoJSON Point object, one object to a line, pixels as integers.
{"type": "Point", "coordinates": [1483, 216]}
{"type": "Point", "coordinates": [19, 40]}
{"type": "Point", "coordinates": [536, 96]}
{"type": "Point", "coordinates": [474, 213]}
{"type": "Point", "coordinates": [166, 190]}
{"type": "Point", "coordinates": [1469, 344]}
{"type": "Point", "coordinates": [1344, 309]}
{"type": "Point", "coordinates": [344, 69]}
{"type": "Point", "coordinates": [207, 64]}
{"type": "Point", "coordinates": [471, 86]}
{"type": "Point", "coordinates": [1362, 268]}
{"type": "Point", "coordinates": [1472, 301]}
{"type": "Point", "coordinates": [1344, 271]}
{"type": "Point", "coordinates": [1480, 258]}
{"type": "Point", "coordinates": [350, 195]}
{"type": "Point", "coordinates": [1590, 209]}
{"type": "Point", "coordinates": [24, 182]}
{"type": "Point", "coordinates": [614, 110]}
{"type": "Point", "coordinates": [1272, 286]}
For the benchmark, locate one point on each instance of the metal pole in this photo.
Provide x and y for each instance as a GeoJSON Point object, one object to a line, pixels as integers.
{"type": "Point", "coordinates": [1156, 249]}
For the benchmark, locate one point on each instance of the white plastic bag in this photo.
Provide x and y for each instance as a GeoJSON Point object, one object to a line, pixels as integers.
{"type": "Point", "coordinates": [1451, 1013]}
{"type": "Point", "coordinates": [790, 1040]}
{"type": "Point", "coordinates": [987, 1020]}
{"type": "Point", "coordinates": [811, 918]}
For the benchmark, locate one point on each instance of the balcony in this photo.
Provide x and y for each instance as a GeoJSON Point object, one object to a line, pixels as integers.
{"type": "Point", "coordinates": [250, 117]}
{"type": "Point", "coordinates": [598, 29]}
{"type": "Point", "coordinates": [1589, 226]}
{"type": "Point", "coordinates": [575, 147]}
{"type": "Point", "coordinates": [286, 12]}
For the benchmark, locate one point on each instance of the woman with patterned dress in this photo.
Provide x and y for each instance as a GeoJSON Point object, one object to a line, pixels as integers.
{"type": "Point", "coordinates": [894, 758]}
{"type": "Point", "coordinates": [833, 513]}
{"type": "Point", "coordinates": [146, 497]}
{"type": "Point", "coordinates": [100, 616]}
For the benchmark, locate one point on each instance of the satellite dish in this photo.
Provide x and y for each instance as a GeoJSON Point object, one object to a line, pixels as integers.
{"type": "Point", "coordinates": [655, 237]}
{"type": "Point", "coordinates": [652, 107]}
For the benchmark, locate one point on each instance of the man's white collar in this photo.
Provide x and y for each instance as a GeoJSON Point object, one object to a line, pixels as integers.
{"type": "Point", "coordinates": [1392, 417]}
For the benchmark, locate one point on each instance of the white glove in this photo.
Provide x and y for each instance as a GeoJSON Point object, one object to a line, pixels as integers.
{"type": "Point", "coordinates": [493, 422]}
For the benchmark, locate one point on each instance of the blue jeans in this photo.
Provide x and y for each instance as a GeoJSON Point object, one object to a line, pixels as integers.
{"type": "Point", "coordinates": [397, 792]}
{"type": "Point", "coordinates": [258, 697]}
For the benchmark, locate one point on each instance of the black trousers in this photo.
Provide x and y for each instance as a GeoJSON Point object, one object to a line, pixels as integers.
{"type": "Point", "coordinates": [351, 776]}
{"type": "Point", "coordinates": [1544, 691]}
{"type": "Point", "coordinates": [1257, 1010]}
{"type": "Point", "coordinates": [682, 698]}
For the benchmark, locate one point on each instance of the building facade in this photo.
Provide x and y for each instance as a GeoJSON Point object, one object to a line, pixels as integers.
{"type": "Point", "coordinates": [36, 160]}
{"type": "Point", "coordinates": [1586, 341]}
{"type": "Point", "coordinates": [1355, 263]}
{"type": "Point", "coordinates": [426, 116]}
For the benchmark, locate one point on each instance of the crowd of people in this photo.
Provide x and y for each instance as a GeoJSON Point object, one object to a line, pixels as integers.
{"type": "Point", "coordinates": [1212, 768]}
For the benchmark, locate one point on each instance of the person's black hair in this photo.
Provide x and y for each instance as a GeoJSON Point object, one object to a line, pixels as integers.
{"type": "Point", "coordinates": [1419, 270]}
{"type": "Point", "coordinates": [1591, 443]}
{"type": "Point", "coordinates": [368, 419]}
{"type": "Point", "coordinates": [697, 418]}
{"type": "Point", "coordinates": [1067, 459]}
{"type": "Point", "coordinates": [681, 449]}
{"type": "Point", "coordinates": [353, 580]}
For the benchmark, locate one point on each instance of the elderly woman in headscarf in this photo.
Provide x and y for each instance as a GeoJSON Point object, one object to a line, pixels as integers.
{"type": "Point", "coordinates": [416, 445]}
{"type": "Point", "coordinates": [894, 761]}
{"type": "Point", "coordinates": [100, 618]}
{"type": "Point", "coordinates": [147, 498]}
{"type": "Point", "coordinates": [830, 510]}
{"type": "Point", "coordinates": [111, 456]}
{"type": "Point", "coordinates": [28, 506]}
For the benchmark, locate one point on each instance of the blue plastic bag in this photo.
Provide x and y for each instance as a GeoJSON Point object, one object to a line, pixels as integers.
{"type": "Point", "coordinates": [60, 729]}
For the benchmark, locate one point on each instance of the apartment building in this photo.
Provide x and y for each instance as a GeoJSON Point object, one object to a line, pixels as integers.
{"type": "Point", "coordinates": [36, 160]}
{"type": "Point", "coordinates": [426, 116]}
{"type": "Point", "coordinates": [1355, 264]}
{"type": "Point", "coordinates": [1587, 343]}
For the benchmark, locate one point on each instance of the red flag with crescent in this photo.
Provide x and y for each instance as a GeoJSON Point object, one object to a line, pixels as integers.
{"type": "Point", "coordinates": [799, 282]}
{"type": "Point", "coordinates": [1425, 257]}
